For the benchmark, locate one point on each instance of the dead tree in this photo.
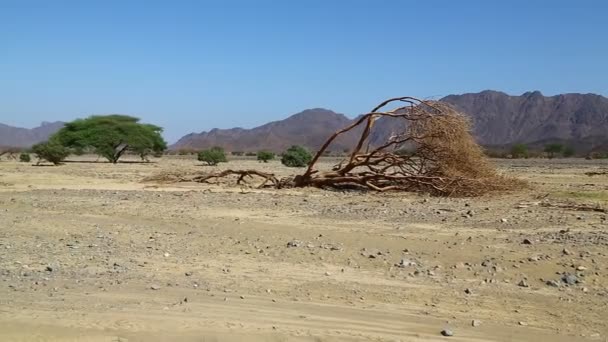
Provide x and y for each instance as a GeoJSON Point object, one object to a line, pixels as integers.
{"type": "Point", "coordinates": [441, 156]}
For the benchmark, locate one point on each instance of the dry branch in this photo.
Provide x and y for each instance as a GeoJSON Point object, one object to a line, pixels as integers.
{"type": "Point", "coordinates": [576, 207]}
{"type": "Point", "coordinates": [596, 173]}
{"type": "Point", "coordinates": [442, 156]}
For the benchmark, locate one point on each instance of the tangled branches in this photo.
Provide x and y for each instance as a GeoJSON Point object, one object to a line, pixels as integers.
{"type": "Point", "coordinates": [175, 177]}
{"type": "Point", "coordinates": [431, 151]}
{"type": "Point", "coordinates": [434, 153]}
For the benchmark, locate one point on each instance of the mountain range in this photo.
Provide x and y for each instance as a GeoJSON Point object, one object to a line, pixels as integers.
{"type": "Point", "coordinates": [24, 137]}
{"type": "Point", "coordinates": [498, 119]}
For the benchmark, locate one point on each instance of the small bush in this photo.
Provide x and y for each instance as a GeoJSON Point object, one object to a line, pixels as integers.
{"type": "Point", "coordinates": [568, 152]}
{"type": "Point", "coordinates": [265, 156]}
{"type": "Point", "coordinates": [237, 153]}
{"type": "Point", "coordinates": [553, 149]}
{"type": "Point", "coordinates": [296, 156]}
{"type": "Point", "coordinates": [25, 158]}
{"type": "Point", "coordinates": [213, 156]}
{"type": "Point", "coordinates": [250, 154]}
{"type": "Point", "coordinates": [51, 151]}
{"type": "Point", "coordinates": [519, 151]}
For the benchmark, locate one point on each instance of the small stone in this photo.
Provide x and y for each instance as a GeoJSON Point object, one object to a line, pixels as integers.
{"type": "Point", "coordinates": [570, 279]}
{"type": "Point", "coordinates": [327, 274]}
{"type": "Point", "coordinates": [468, 291]}
{"type": "Point", "coordinates": [166, 255]}
{"type": "Point", "coordinates": [242, 297]}
{"type": "Point", "coordinates": [527, 242]}
{"type": "Point", "coordinates": [581, 268]}
{"type": "Point", "coordinates": [566, 251]}
{"type": "Point", "coordinates": [522, 323]}
{"type": "Point", "coordinates": [49, 269]}
{"type": "Point", "coordinates": [188, 274]}
{"type": "Point", "coordinates": [447, 332]}
{"type": "Point", "coordinates": [475, 323]}
{"type": "Point", "coordinates": [294, 243]}
{"type": "Point", "coordinates": [154, 287]}
{"type": "Point", "coordinates": [523, 283]}
{"type": "Point", "coordinates": [406, 263]}
{"type": "Point", "coordinates": [503, 220]}
{"type": "Point", "coordinates": [552, 283]}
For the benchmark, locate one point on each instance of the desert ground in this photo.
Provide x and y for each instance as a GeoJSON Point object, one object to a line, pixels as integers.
{"type": "Point", "coordinates": [89, 252]}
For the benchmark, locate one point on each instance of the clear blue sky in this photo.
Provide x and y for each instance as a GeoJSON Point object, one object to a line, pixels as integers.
{"type": "Point", "coordinates": [194, 65]}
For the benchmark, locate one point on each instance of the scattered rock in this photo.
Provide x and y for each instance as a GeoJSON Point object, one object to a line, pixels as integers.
{"type": "Point", "coordinates": [447, 332]}
{"type": "Point", "coordinates": [552, 283]}
{"type": "Point", "coordinates": [570, 279]}
{"type": "Point", "coordinates": [294, 243]}
{"type": "Point", "coordinates": [154, 287]}
{"type": "Point", "coordinates": [475, 323]}
{"type": "Point", "coordinates": [522, 323]}
{"type": "Point", "coordinates": [503, 220]}
{"type": "Point", "coordinates": [527, 242]}
{"type": "Point", "coordinates": [188, 274]}
{"type": "Point", "coordinates": [523, 283]}
{"type": "Point", "coordinates": [468, 291]}
{"type": "Point", "coordinates": [566, 251]}
{"type": "Point", "coordinates": [406, 263]}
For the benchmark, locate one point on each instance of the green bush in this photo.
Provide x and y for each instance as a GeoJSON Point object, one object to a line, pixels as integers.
{"type": "Point", "coordinates": [568, 152]}
{"type": "Point", "coordinates": [213, 156]}
{"type": "Point", "coordinates": [296, 156]}
{"type": "Point", "coordinates": [250, 154]}
{"type": "Point", "coordinates": [25, 158]}
{"type": "Point", "coordinates": [265, 156]}
{"type": "Point", "coordinates": [519, 151]}
{"type": "Point", "coordinates": [51, 151]}
{"type": "Point", "coordinates": [237, 153]}
{"type": "Point", "coordinates": [553, 149]}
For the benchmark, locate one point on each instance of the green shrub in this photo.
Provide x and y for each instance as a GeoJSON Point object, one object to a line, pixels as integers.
{"type": "Point", "coordinates": [51, 151]}
{"type": "Point", "coordinates": [237, 153]}
{"type": "Point", "coordinates": [25, 158]}
{"type": "Point", "coordinates": [213, 156]}
{"type": "Point", "coordinates": [568, 152]}
{"type": "Point", "coordinates": [519, 151]}
{"type": "Point", "coordinates": [250, 154]}
{"type": "Point", "coordinates": [553, 149]}
{"type": "Point", "coordinates": [265, 156]}
{"type": "Point", "coordinates": [296, 156]}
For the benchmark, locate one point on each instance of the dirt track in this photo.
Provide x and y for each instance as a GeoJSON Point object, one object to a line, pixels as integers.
{"type": "Point", "coordinates": [89, 253]}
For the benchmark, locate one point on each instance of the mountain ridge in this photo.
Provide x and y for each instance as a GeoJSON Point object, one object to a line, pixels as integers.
{"type": "Point", "coordinates": [497, 118]}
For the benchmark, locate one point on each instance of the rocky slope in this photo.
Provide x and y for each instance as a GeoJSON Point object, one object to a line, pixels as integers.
{"type": "Point", "coordinates": [24, 137]}
{"type": "Point", "coordinates": [498, 119]}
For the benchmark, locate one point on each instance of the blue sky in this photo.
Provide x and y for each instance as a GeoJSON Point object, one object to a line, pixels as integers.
{"type": "Point", "coordinates": [194, 65]}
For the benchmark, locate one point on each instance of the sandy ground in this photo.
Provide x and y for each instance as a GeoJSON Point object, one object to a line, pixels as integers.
{"type": "Point", "coordinates": [90, 253]}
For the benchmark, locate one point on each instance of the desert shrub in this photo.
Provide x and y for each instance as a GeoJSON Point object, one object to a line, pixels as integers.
{"type": "Point", "coordinates": [265, 156]}
{"type": "Point", "coordinates": [553, 149]}
{"type": "Point", "coordinates": [251, 154]}
{"type": "Point", "coordinates": [25, 158]}
{"type": "Point", "coordinates": [51, 151]}
{"type": "Point", "coordinates": [213, 156]}
{"type": "Point", "coordinates": [568, 152]}
{"type": "Point", "coordinates": [237, 153]}
{"type": "Point", "coordinates": [296, 156]}
{"type": "Point", "coordinates": [519, 151]}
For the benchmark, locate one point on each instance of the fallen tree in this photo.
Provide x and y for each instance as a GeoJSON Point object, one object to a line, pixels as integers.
{"type": "Point", "coordinates": [441, 156]}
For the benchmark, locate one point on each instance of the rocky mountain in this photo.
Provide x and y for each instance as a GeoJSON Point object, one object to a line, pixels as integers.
{"type": "Point", "coordinates": [501, 119]}
{"type": "Point", "coordinates": [498, 119]}
{"type": "Point", "coordinates": [308, 128]}
{"type": "Point", "coordinates": [24, 137]}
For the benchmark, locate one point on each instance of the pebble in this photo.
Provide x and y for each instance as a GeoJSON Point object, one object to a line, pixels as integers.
{"type": "Point", "coordinates": [154, 287]}
{"type": "Point", "coordinates": [447, 332]}
{"type": "Point", "coordinates": [468, 291]}
{"type": "Point", "coordinates": [527, 242]}
{"type": "Point", "coordinates": [475, 323]}
{"type": "Point", "coordinates": [552, 283]}
{"type": "Point", "coordinates": [503, 220]}
{"type": "Point", "coordinates": [522, 323]}
{"type": "Point", "coordinates": [523, 283]}
{"type": "Point", "coordinates": [566, 251]}
{"type": "Point", "coordinates": [570, 279]}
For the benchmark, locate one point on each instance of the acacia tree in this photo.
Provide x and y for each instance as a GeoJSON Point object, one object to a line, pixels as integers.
{"type": "Point", "coordinates": [110, 136]}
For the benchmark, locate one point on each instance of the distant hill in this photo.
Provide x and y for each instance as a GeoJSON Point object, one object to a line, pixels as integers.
{"type": "Point", "coordinates": [308, 128]}
{"type": "Point", "coordinates": [498, 119]}
{"type": "Point", "coordinates": [24, 137]}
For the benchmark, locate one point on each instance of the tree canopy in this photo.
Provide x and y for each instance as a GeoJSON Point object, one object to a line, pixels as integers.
{"type": "Point", "coordinates": [110, 136]}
